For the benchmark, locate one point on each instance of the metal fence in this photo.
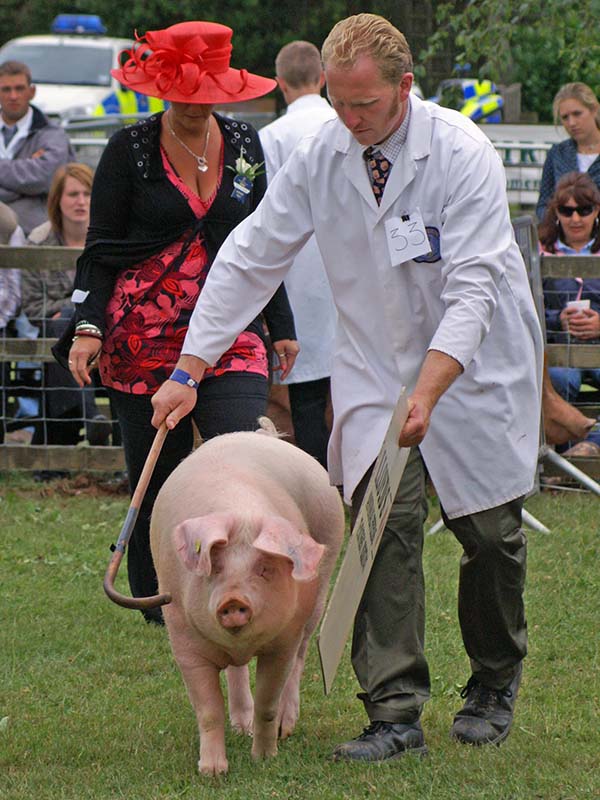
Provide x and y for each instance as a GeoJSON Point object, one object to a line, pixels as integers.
{"type": "Point", "coordinates": [65, 428]}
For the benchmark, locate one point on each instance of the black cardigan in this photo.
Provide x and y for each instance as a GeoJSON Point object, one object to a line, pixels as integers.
{"type": "Point", "coordinates": [136, 211]}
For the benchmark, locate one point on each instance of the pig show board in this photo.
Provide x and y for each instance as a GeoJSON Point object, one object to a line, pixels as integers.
{"type": "Point", "coordinates": [362, 546]}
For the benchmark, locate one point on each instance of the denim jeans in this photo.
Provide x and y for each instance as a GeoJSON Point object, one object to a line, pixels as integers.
{"type": "Point", "coordinates": [567, 382]}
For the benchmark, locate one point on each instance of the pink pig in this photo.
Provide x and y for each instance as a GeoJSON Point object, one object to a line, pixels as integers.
{"type": "Point", "coordinates": [245, 534]}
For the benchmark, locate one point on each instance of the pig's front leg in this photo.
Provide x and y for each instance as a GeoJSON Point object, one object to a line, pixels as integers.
{"type": "Point", "coordinates": [272, 671]}
{"type": "Point", "coordinates": [241, 704]}
{"type": "Point", "coordinates": [201, 678]}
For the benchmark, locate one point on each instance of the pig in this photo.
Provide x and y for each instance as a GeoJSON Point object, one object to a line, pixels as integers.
{"type": "Point", "coordinates": [244, 535]}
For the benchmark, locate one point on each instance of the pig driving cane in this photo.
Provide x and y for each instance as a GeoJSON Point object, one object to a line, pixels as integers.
{"type": "Point", "coordinates": [244, 536]}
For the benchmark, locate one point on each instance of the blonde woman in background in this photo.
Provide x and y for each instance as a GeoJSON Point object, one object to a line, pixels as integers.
{"type": "Point", "coordinates": [577, 109]}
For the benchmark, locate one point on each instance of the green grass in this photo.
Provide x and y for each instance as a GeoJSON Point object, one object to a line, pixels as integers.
{"type": "Point", "coordinates": [92, 705]}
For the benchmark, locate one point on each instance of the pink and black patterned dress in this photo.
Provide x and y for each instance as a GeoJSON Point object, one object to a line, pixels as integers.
{"type": "Point", "coordinates": [148, 315]}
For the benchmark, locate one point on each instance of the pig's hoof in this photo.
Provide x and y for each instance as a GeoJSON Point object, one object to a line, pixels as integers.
{"type": "Point", "coordinates": [288, 719]}
{"type": "Point", "coordinates": [242, 724]}
{"type": "Point", "coordinates": [263, 751]}
{"type": "Point", "coordinates": [212, 767]}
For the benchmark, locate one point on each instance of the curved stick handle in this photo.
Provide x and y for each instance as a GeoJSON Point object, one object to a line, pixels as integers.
{"type": "Point", "coordinates": [125, 535]}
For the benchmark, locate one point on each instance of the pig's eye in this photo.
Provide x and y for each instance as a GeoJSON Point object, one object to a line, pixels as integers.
{"type": "Point", "coordinates": [266, 571]}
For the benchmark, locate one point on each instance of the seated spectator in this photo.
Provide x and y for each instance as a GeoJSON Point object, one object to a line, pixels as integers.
{"type": "Point", "coordinates": [46, 300]}
{"type": "Point", "coordinates": [10, 297]}
{"type": "Point", "coordinates": [571, 227]}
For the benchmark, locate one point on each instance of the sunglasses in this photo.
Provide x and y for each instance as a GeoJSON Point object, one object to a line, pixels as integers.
{"type": "Point", "coordinates": [568, 211]}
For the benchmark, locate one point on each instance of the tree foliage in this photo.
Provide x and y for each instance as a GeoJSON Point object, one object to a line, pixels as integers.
{"type": "Point", "coordinates": [260, 27]}
{"type": "Point", "coordinates": [540, 45]}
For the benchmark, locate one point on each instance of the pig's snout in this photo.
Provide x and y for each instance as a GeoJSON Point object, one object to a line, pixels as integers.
{"type": "Point", "coordinates": [234, 614]}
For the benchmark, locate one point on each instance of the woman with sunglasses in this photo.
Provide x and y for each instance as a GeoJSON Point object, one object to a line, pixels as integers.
{"type": "Point", "coordinates": [576, 107]}
{"type": "Point", "coordinates": [571, 227]}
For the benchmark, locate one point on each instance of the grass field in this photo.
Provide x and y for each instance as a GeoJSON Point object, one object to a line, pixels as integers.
{"type": "Point", "coordinates": [92, 705]}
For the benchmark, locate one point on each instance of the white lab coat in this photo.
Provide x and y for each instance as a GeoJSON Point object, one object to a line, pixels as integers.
{"type": "Point", "coordinates": [474, 304]}
{"type": "Point", "coordinates": [306, 282]}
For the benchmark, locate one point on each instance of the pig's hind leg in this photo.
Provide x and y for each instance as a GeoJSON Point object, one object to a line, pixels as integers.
{"type": "Point", "coordinates": [289, 704]}
{"type": "Point", "coordinates": [241, 703]}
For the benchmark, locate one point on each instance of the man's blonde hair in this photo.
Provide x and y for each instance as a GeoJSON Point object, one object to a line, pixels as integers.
{"type": "Point", "coordinates": [371, 35]}
{"type": "Point", "coordinates": [299, 64]}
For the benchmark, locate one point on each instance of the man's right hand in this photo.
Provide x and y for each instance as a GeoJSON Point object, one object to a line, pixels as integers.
{"type": "Point", "coordinates": [174, 401]}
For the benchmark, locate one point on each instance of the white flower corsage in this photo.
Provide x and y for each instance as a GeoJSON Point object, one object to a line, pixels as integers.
{"type": "Point", "coordinates": [245, 173]}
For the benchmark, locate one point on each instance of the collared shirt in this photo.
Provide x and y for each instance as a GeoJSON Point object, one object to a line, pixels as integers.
{"type": "Point", "coordinates": [564, 250]}
{"type": "Point", "coordinates": [23, 126]}
{"type": "Point", "coordinates": [390, 148]}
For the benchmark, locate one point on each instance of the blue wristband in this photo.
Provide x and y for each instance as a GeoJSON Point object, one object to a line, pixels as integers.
{"type": "Point", "coordinates": [183, 377]}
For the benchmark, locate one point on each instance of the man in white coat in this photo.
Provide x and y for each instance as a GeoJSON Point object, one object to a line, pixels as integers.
{"type": "Point", "coordinates": [432, 294]}
{"type": "Point", "coordinates": [301, 78]}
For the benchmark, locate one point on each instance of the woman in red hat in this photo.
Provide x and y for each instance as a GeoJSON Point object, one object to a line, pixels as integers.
{"type": "Point", "coordinates": [167, 192]}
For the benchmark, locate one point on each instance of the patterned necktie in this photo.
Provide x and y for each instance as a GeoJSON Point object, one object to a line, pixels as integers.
{"type": "Point", "coordinates": [379, 170]}
{"type": "Point", "coordinates": [8, 133]}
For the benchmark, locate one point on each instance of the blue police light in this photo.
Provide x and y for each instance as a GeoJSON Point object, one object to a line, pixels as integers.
{"type": "Point", "coordinates": [89, 24]}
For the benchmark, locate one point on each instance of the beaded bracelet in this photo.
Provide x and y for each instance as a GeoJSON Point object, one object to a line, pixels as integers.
{"type": "Point", "coordinates": [84, 327]}
{"type": "Point", "coordinates": [84, 334]}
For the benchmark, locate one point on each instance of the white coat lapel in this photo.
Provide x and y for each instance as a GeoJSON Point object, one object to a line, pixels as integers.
{"type": "Point", "coordinates": [355, 169]}
{"type": "Point", "coordinates": [417, 146]}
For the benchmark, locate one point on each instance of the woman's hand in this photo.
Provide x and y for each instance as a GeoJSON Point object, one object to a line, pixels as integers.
{"type": "Point", "coordinates": [581, 323]}
{"type": "Point", "coordinates": [286, 351]}
{"type": "Point", "coordinates": [83, 357]}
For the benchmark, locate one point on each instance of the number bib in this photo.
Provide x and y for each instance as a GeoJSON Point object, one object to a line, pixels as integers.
{"type": "Point", "coordinates": [406, 237]}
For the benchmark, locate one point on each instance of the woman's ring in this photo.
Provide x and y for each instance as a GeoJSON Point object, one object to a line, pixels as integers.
{"type": "Point", "coordinates": [70, 362]}
{"type": "Point", "coordinates": [282, 355]}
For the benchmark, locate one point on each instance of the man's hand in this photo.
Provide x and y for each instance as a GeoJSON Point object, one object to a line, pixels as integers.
{"type": "Point", "coordinates": [174, 401]}
{"type": "Point", "coordinates": [439, 371]}
{"type": "Point", "coordinates": [416, 425]}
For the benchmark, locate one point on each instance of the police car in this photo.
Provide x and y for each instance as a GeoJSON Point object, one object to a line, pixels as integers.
{"type": "Point", "coordinates": [71, 69]}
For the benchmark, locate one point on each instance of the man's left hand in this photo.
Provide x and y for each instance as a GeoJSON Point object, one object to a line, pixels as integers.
{"type": "Point", "coordinates": [416, 425]}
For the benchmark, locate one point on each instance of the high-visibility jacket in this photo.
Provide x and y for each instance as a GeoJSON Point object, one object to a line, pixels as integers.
{"type": "Point", "coordinates": [126, 101]}
{"type": "Point", "coordinates": [481, 101]}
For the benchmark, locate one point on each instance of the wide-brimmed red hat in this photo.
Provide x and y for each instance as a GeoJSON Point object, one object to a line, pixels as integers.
{"type": "Point", "coordinates": [189, 63]}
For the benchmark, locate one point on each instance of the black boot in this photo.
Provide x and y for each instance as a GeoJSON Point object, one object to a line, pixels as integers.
{"type": "Point", "coordinates": [381, 741]}
{"type": "Point", "coordinates": [487, 714]}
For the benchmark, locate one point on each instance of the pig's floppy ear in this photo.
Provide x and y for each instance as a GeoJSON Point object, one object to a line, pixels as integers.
{"type": "Point", "coordinates": [195, 537]}
{"type": "Point", "coordinates": [280, 538]}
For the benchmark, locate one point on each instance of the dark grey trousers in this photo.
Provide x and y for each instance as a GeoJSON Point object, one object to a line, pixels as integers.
{"type": "Point", "coordinates": [389, 628]}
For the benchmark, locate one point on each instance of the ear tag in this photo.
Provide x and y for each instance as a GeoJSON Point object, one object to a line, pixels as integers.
{"type": "Point", "coordinates": [198, 545]}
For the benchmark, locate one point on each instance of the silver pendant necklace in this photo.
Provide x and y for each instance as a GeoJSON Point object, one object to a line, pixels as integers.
{"type": "Point", "coordinates": [200, 160]}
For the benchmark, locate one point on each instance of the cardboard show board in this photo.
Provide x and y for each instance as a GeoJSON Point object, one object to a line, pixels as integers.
{"type": "Point", "coordinates": [362, 546]}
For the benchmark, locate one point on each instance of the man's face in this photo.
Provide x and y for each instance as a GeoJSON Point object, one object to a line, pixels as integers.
{"type": "Point", "coordinates": [15, 95]}
{"type": "Point", "coordinates": [370, 107]}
